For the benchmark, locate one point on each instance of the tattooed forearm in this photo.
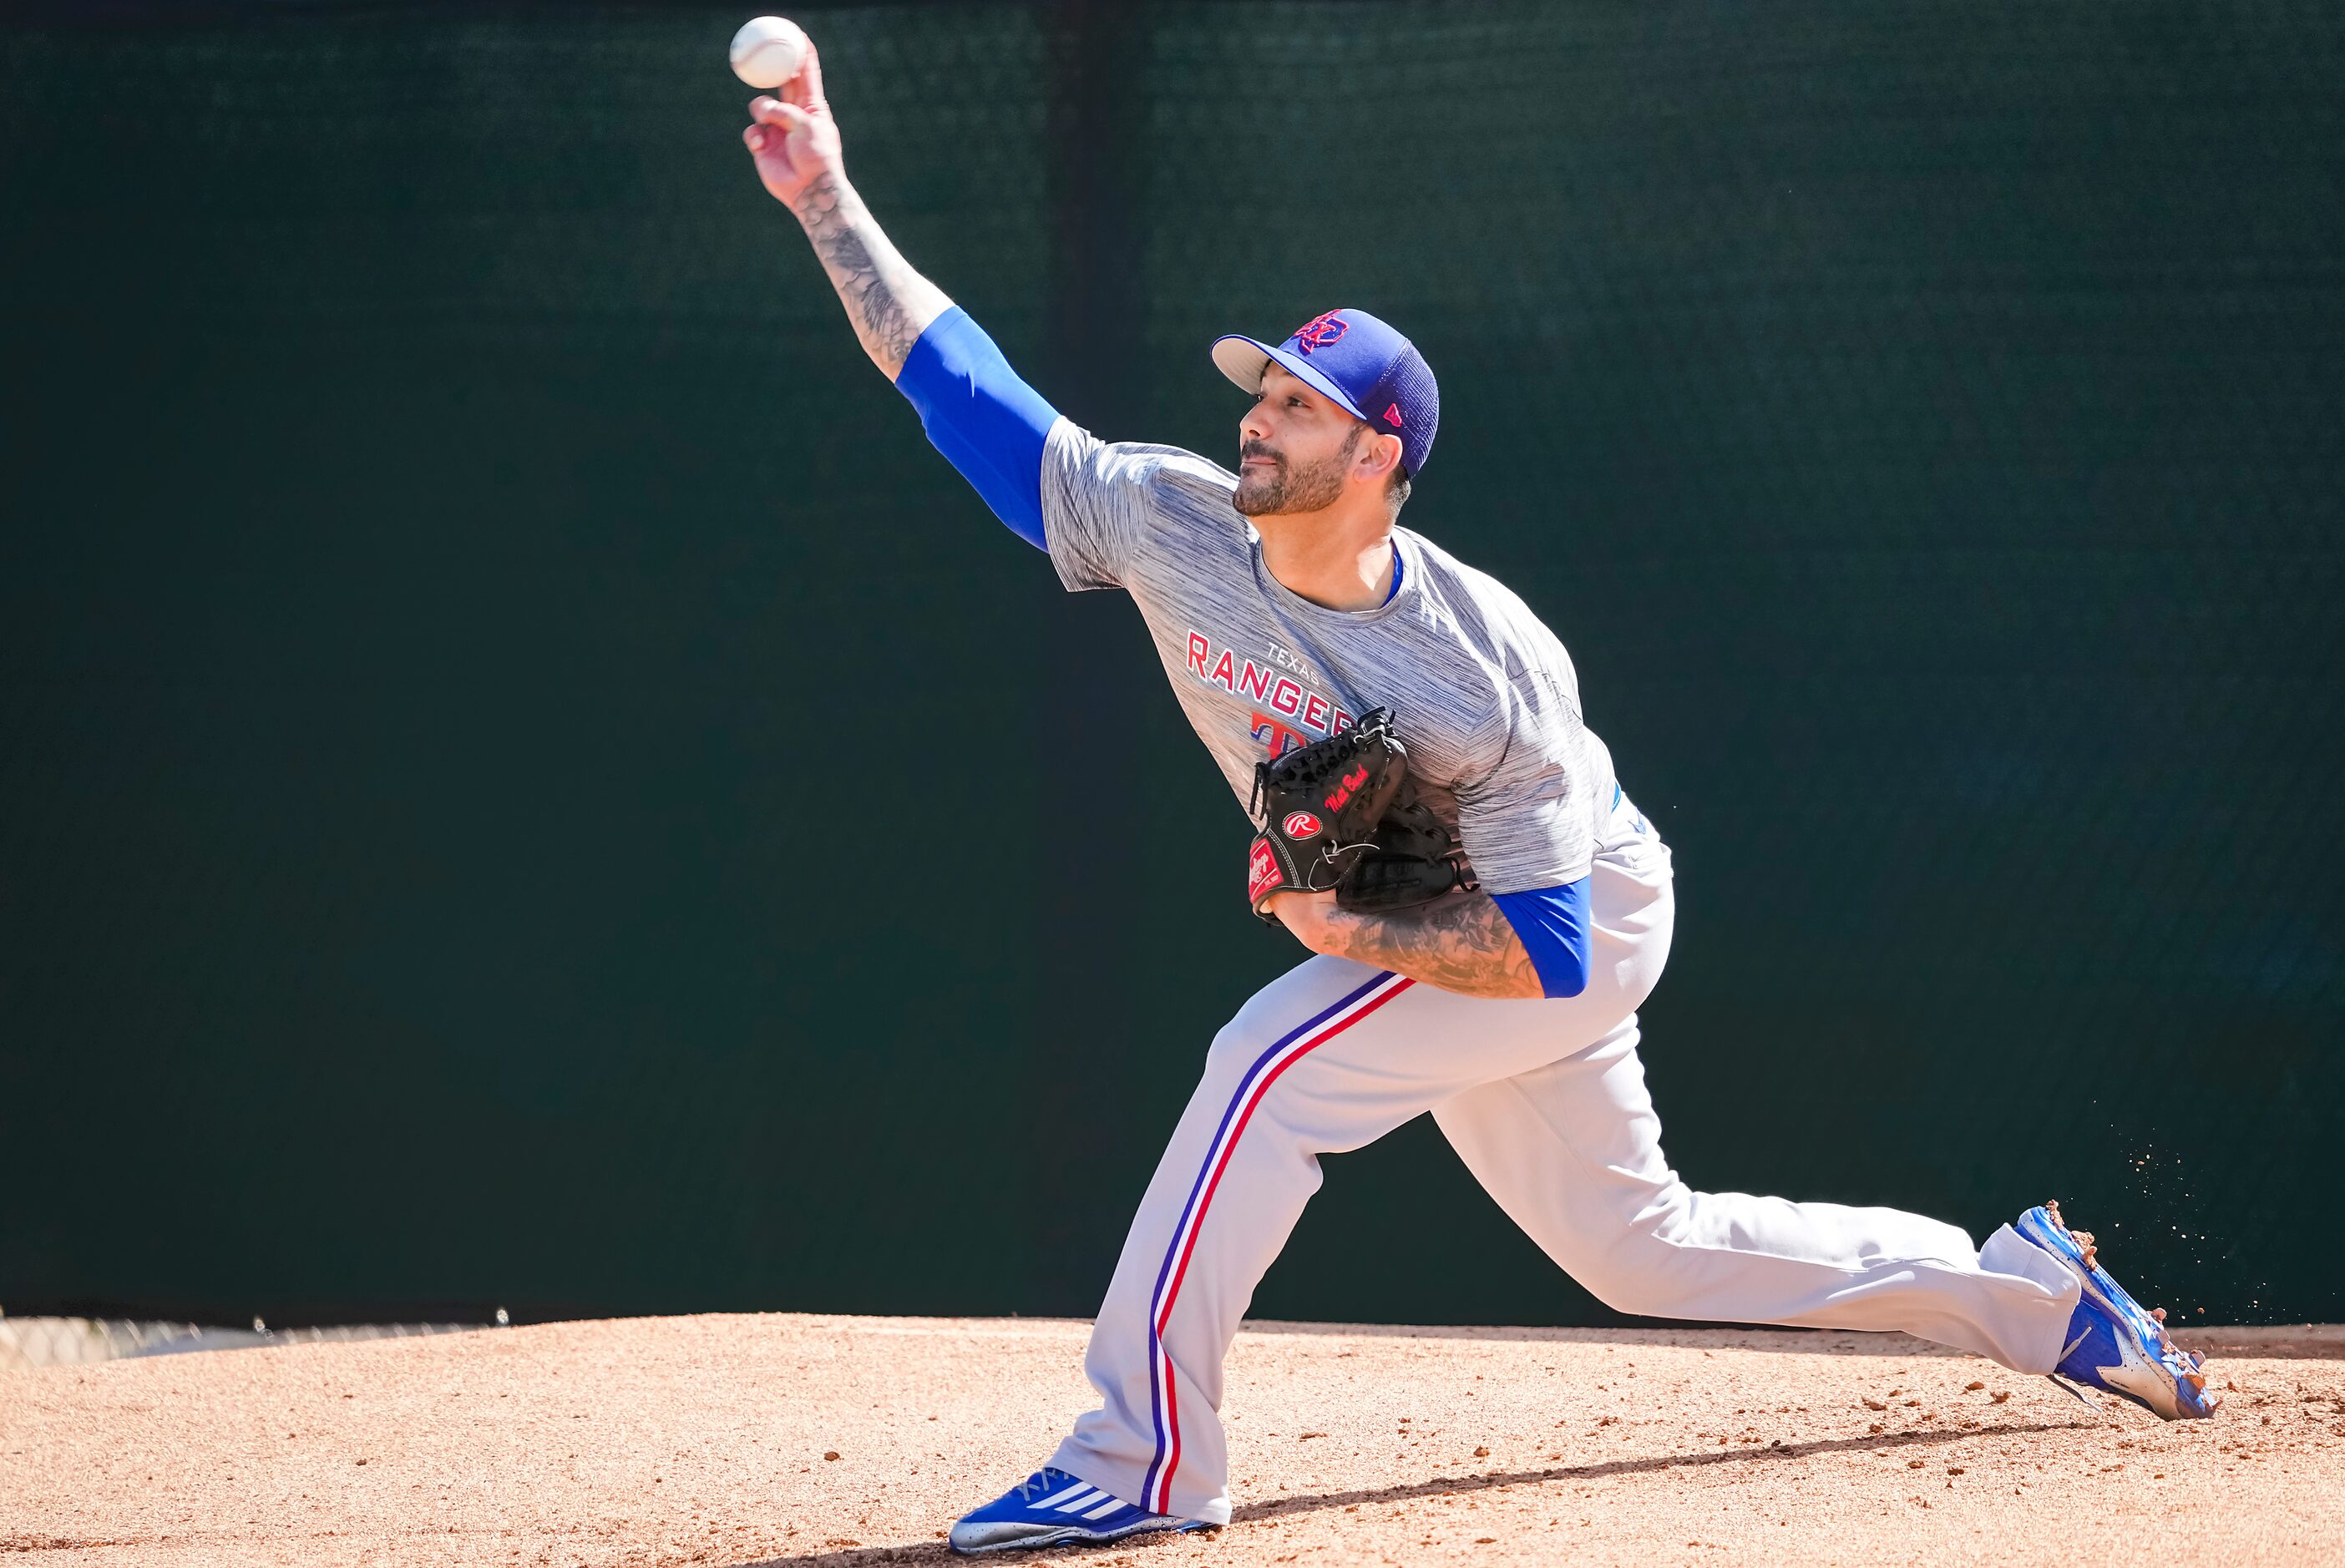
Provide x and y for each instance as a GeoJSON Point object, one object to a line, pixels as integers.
{"type": "Point", "coordinates": [889, 304]}
{"type": "Point", "coordinates": [1462, 943]}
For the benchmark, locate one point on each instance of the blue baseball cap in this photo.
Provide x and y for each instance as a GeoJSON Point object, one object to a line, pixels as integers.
{"type": "Point", "coordinates": [1360, 363]}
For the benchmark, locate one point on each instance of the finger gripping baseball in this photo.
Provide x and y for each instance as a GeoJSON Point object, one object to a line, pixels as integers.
{"type": "Point", "coordinates": [1320, 804]}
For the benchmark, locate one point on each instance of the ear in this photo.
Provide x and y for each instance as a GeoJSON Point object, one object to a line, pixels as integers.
{"type": "Point", "coordinates": [1377, 456]}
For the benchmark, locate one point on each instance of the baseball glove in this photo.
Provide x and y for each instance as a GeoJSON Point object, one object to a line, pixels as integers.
{"type": "Point", "coordinates": [1329, 820]}
{"type": "Point", "coordinates": [1415, 861]}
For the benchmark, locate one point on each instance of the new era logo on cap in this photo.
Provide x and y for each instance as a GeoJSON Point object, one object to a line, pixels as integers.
{"type": "Point", "coordinates": [1361, 363]}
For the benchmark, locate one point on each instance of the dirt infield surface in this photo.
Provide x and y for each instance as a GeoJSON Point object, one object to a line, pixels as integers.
{"type": "Point", "coordinates": [790, 1440]}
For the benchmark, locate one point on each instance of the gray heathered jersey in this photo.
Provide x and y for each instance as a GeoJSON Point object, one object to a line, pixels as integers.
{"type": "Point", "coordinates": [1482, 693]}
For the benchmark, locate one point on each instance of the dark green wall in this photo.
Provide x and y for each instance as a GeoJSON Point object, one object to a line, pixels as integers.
{"type": "Point", "coordinates": [481, 651]}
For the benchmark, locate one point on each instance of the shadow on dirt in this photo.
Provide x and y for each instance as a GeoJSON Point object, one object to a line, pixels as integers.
{"type": "Point", "coordinates": [1444, 1486]}
{"type": "Point", "coordinates": [2275, 1341]}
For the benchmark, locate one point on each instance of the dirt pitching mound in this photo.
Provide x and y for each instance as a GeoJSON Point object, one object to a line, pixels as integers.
{"type": "Point", "coordinates": [791, 1440]}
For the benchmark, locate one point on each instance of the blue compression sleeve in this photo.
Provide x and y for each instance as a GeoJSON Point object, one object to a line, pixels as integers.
{"type": "Point", "coordinates": [1553, 925]}
{"type": "Point", "coordinates": [989, 424]}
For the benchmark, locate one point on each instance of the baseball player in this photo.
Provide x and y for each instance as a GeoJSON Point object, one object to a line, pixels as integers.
{"type": "Point", "coordinates": [1287, 605]}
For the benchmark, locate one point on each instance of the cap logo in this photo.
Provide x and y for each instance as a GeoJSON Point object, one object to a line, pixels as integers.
{"type": "Point", "coordinates": [1392, 413]}
{"type": "Point", "coordinates": [1320, 332]}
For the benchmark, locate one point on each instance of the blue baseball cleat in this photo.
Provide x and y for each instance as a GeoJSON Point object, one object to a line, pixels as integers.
{"type": "Point", "coordinates": [2112, 1344]}
{"type": "Point", "coordinates": [1052, 1508]}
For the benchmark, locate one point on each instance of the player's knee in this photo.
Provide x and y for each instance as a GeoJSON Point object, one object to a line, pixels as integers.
{"type": "Point", "coordinates": [1648, 1293]}
{"type": "Point", "coordinates": [1647, 1269]}
{"type": "Point", "coordinates": [1255, 1029]}
{"type": "Point", "coordinates": [1235, 1048]}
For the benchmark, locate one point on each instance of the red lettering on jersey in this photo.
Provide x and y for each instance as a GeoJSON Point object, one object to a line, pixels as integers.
{"type": "Point", "coordinates": [1224, 674]}
{"type": "Point", "coordinates": [1274, 736]}
{"type": "Point", "coordinates": [1315, 713]}
{"type": "Point", "coordinates": [1343, 721]}
{"type": "Point", "coordinates": [1254, 681]}
{"type": "Point", "coordinates": [1199, 650]}
{"type": "Point", "coordinates": [1286, 696]}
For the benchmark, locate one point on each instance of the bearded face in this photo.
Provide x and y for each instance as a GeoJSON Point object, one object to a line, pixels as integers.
{"type": "Point", "coordinates": [1272, 480]}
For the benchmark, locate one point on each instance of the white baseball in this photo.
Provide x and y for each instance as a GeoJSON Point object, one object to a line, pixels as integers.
{"type": "Point", "coordinates": [768, 51]}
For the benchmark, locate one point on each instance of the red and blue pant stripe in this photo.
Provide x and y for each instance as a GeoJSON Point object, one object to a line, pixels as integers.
{"type": "Point", "coordinates": [1156, 1491]}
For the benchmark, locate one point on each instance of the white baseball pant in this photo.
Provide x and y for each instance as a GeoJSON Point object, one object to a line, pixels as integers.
{"type": "Point", "coordinates": [1545, 1101]}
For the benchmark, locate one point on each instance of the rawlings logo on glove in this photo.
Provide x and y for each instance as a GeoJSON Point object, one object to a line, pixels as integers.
{"type": "Point", "coordinates": [1263, 876]}
{"type": "Point", "coordinates": [1330, 822]}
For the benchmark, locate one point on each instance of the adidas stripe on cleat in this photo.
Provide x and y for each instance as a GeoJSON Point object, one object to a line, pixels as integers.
{"type": "Point", "coordinates": [1052, 1508]}
{"type": "Point", "coordinates": [2112, 1344]}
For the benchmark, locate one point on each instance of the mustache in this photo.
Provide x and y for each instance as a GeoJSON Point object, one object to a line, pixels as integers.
{"type": "Point", "coordinates": [1259, 450]}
